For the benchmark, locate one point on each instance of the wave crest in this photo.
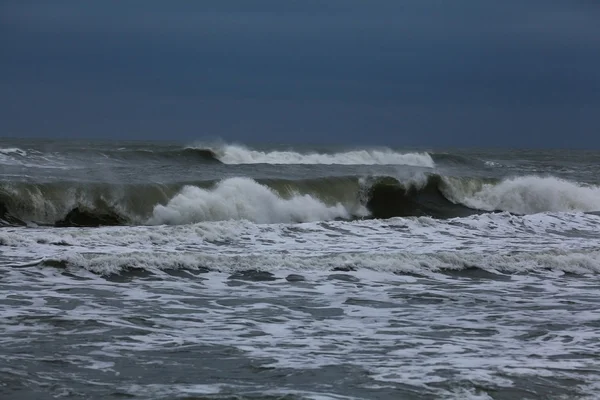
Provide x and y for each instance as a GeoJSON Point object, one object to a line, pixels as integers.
{"type": "Point", "coordinates": [242, 198]}
{"type": "Point", "coordinates": [524, 195]}
{"type": "Point", "coordinates": [236, 154]}
{"type": "Point", "coordinates": [13, 151]}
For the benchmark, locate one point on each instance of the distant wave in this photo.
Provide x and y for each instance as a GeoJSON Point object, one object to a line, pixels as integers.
{"type": "Point", "coordinates": [236, 154]}
{"type": "Point", "coordinates": [13, 151]}
{"type": "Point", "coordinates": [187, 153]}
{"type": "Point", "coordinates": [12, 156]}
{"type": "Point", "coordinates": [232, 154]}
{"type": "Point", "coordinates": [456, 159]}
{"type": "Point", "coordinates": [288, 201]}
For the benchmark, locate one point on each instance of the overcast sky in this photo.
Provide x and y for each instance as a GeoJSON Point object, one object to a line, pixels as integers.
{"type": "Point", "coordinates": [393, 72]}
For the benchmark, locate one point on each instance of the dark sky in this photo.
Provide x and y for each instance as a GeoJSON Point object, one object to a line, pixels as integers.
{"type": "Point", "coordinates": [394, 72]}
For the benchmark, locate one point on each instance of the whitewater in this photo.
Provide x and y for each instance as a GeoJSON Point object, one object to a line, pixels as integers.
{"type": "Point", "coordinates": [187, 270]}
{"type": "Point", "coordinates": [238, 154]}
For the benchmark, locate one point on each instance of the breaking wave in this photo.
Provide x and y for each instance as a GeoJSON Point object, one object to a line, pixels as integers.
{"type": "Point", "coordinates": [232, 154]}
{"type": "Point", "coordinates": [525, 195]}
{"type": "Point", "coordinates": [288, 201]}
{"type": "Point", "coordinates": [242, 198]}
{"type": "Point", "coordinates": [237, 154]}
{"type": "Point", "coordinates": [13, 151]}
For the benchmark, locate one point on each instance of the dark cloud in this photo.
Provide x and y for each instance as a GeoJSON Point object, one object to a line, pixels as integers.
{"type": "Point", "coordinates": [418, 72]}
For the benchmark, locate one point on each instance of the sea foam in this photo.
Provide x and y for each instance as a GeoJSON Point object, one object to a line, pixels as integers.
{"type": "Point", "coordinates": [494, 242]}
{"type": "Point", "coordinates": [13, 151]}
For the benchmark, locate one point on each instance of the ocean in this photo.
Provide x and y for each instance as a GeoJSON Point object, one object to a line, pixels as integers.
{"type": "Point", "coordinates": [150, 270]}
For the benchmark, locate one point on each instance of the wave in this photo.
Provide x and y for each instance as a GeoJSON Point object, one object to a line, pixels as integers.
{"type": "Point", "coordinates": [524, 195]}
{"type": "Point", "coordinates": [243, 198]}
{"type": "Point", "coordinates": [288, 201]}
{"type": "Point", "coordinates": [12, 156]}
{"type": "Point", "coordinates": [11, 151]}
{"type": "Point", "coordinates": [237, 154]}
{"type": "Point", "coordinates": [232, 154]}
{"type": "Point", "coordinates": [222, 154]}
{"type": "Point", "coordinates": [387, 197]}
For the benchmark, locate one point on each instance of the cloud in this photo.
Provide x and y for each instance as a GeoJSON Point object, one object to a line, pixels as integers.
{"type": "Point", "coordinates": [387, 55]}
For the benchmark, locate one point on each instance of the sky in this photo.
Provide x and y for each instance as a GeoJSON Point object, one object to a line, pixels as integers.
{"type": "Point", "coordinates": [387, 72]}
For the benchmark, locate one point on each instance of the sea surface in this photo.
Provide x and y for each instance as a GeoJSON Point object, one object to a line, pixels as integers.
{"type": "Point", "coordinates": [215, 270]}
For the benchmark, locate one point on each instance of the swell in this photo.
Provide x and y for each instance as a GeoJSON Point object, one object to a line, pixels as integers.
{"type": "Point", "coordinates": [202, 155]}
{"type": "Point", "coordinates": [457, 159]}
{"type": "Point", "coordinates": [238, 155]}
{"type": "Point", "coordinates": [287, 201]}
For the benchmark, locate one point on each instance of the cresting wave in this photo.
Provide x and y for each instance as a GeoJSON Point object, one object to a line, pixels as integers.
{"type": "Point", "coordinates": [525, 195]}
{"type": "Point", "coordinates": [237, 154]}
{"type": "Point", "coordinates": [13, 151]}
{"type": "Point", "coordinates": [234, 155]}
{"type": "Point", "coordinates": [287, 201]}
{"type": "Point", "coordinates": [243, 198]}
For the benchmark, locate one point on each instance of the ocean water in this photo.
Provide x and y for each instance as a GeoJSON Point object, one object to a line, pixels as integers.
{"type": "Point", "coordinates": [214, 270]}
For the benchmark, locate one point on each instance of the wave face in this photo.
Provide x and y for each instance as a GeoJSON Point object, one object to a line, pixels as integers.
{"type": "Point", "coordinates": [424, 196]}
{"type": "Point", "coordinates": [235, 154]}
{"type": "Point", "coordinates": [288, 201]}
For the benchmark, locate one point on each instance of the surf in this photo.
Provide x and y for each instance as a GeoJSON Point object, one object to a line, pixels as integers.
{"type": "Point", "coordinates": [243, 198]}
{"type": "Point", "coordinates": [287, 200]}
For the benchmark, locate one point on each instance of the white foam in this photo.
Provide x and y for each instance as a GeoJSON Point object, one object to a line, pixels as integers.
{"type": "Point", "coordinates": [237, 154]}
{"type": "Point", "coordinates": [242, 198]}
{"type": "Point", "coordinates": [12, 156]}
{"type": "Point", "coordinates": [526, 195]}
{"type": "Point", "coordinates": [13, 151]}
{"type": "Point", "coordinates": [443, 336]}
{"type": "Point", "coordinates": [492, 164]}
{"type": "Point", "coordinates": [398, 262]}
{"type": "Point", "coordinates": [30, 159]}
{"type": "Point", "coordinates": [494, 242]}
